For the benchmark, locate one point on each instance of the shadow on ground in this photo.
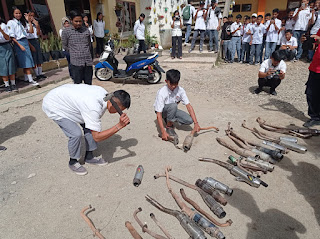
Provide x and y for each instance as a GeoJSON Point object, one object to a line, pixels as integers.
{"type": "Point", "coordinates": [17, 128]}
{"type": "Point", "coordinates": [284, 107]}
{"type": "Point", "coordinates": [108, 148]}
{"type": "Point", "coordinates": [305, 177]}
{"type": "Point", "coordinates": [268, 224]}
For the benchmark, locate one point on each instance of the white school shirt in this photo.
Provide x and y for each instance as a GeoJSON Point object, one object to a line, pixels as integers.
{"type": "Point", "coordinates": [5, 29]}
{"type": "Point", "coordinates": [139, 29]}
{"type": "Point", "coordinates": [246, 37]}
{"type": "Point", "coordinates": [16, 29]}
{"type": "Point", "coordinates": [192, 14]}
{"type": "Point", "coordinates": [281, 36]}
{"type": "Point", "coordinates": [314, 30]}
{"type": "Point", "coordinates": [207, 2]}
{"type": "Point", "coordinates": [90, 28]}
{"type": "Point", "coordinates": [176, 30]}
{"type": "Point", "coordinates": [33, 35]}
{"type": "Point", "coordinates": [290, 24]}
{"type": "Point", "coordinates": [272, 34]}
{"type": "Point", "coordinates": [303, 19]}
{"type": "Point", "coordinates": [166, 96]}
{"type": "Point", "coordinates": [267, 64]}
{"type": "Point", "coordinates": [80, 103]}
{"type": "Point", "coordinates": [257, 33]}
{"type": "Point", "coordinates": [235, 26]}
{"type": "Point", "coordinates": [98, 27]}
{"type": "Point", "coordinates": [200, 23]}
{"type": "Point", "coordinates": [213, 21]}
{"type": "Point", "coordinates": [292, 42]}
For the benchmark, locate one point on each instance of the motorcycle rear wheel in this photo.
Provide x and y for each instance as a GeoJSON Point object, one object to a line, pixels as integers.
{"type": "Point", "coordinates": [156, 77]}
{"type": "Point", "coordinates": [103, 74]}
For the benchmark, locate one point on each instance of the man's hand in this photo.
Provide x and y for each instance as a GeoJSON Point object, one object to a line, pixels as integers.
{"type": "Point", "coordinates": [218, 28]}
{"type": "Point", "coordinates": [281, 75]}
{"type": "Point", "coordinates": [272, 21]}
{"type": "Point", "coordinates": [164, 135]}
{"type": "Point", "coordinates": [124, 120]}
{"type": "Point", "coordinates": [32, 48]}
{"type": "Point", "coordinates": [196, 128]}
{"type": "Point", "coordinates": [316, 37]}
{"type": "Point", "coordinates": [22, 48]}
{"type": "Point", "coordinates": [270, 72]}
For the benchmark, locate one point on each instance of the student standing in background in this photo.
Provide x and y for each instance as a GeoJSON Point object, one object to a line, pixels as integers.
{"type": "Point", "coordinates": [187, 15]}
{"type": "Point", "coordinates": [200, 26]}
{"type": "Point", "coordinates": [65, 23]}
{"type": "Point", "coordinates": [236, 38]}
{"type": "Point", "coordinates": [139, 29]}
{"type": "Point", "coordinates": [90, 28]}
{"type": "Point", "coordinates": [273, 28]}
{"type": "Point", "coordinates": [7, 61]}
{"type": "Point", "coordinates": [98, 27]}
{"type": "Point", "coordinates": [176, 35]}
{"type": "Point", "coordinates": [246, 39]}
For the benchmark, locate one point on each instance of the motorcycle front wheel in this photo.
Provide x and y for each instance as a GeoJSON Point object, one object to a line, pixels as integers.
{"type": "Point", "coordinates": [103, 74]}
{"type": "Point", "coordinates": [156, 77]}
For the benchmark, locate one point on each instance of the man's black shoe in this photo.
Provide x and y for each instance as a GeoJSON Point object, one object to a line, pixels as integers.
{"type": "Point", "coordinates": [274, 93]}
{"type": "Point", "coordinates": [257, 91]}
{"type": "Point", "coordinates": [311, 123]}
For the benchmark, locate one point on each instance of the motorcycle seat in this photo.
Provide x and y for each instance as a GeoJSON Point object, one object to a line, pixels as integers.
{"type": "Point", "coordinates": [135, 58]}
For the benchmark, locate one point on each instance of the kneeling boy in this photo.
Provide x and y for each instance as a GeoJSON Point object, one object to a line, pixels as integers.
{"type": "Point", "coordinates": [166, 106]}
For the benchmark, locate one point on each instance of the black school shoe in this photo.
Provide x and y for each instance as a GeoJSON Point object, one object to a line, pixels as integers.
{"type": "Point", "coordinates": [8, 89]}
{"type": "Point", "coordinates": [311, 122]}
{"type": "Point", "coordinates": [14, 88]}
{"type": "Point", "coordinates": [43, 76]}
{"type": "Point", "coordinates": [257, 91]}
{"type": "Point", "coordinates": [273, 93]}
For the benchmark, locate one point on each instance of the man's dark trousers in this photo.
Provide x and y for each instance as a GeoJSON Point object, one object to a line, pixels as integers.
{"type": "Point", "coordinates": [313, 95]}
{"type": "Point", "coordinates": [273, 83]}
{"type": "Point", "coordinates": [142, 46]}
{"type": "Point", "coordinates": [82, 74]}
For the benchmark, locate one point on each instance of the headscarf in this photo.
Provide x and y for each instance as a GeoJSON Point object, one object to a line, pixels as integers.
{"type": "Point", "coordinates": [63, 20]}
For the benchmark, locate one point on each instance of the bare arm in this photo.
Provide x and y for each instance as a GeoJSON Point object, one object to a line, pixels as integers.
{"type": "Point", "coordinates": [195, 17]}
{"type": "Point", "coordinates": [6, 36]}
{"type": "Point", "coordinates": [164, 134]}
{"type": "Point", "coordinates": [172, 25]}
{"type": "Point", "coordinates": [194, 118]}
{"type": "Point", "coordinates": [18, 44]}
{"type": "Point", "coordinates": [219, 26]}
{"type": "Point", "coordinates": [295, 17]}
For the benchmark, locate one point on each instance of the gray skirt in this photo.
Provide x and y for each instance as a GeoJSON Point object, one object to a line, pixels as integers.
{"type": "Point", "coordinates": [7, 60]}
{"type": "Point", "coordinates": [24, 58]}
{"type": "Point", "coordinates": [37, 55]}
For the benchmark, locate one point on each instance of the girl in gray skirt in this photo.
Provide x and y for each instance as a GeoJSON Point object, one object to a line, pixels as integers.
{"type": "Point", "coordinates": [7, 62]}
{"type": "Point", "coordinates": [18, 33]}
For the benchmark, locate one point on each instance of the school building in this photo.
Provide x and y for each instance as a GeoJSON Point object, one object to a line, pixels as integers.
{"type": "Point", "coordinates": [247, 7]}
{"type": "Point", "coordinates": [50, 12]}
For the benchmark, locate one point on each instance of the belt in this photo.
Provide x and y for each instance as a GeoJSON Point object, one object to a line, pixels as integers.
{"type": "Point", "coordinates": [236, 36]}
{"type": "Point", "coordinates": [4, 43]}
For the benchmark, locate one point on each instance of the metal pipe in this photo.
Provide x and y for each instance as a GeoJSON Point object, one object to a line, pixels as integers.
{"type": "Point", "coordinates": [132, 231]}
{"type": "Point", "coordinates": [144, 226]}
{"type": "Point", "coordinates": [96, 232]}
{"type": "Point", "coordinates": [153, 217]}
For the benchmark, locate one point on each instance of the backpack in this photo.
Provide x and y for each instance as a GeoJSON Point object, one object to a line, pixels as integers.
{"type": "Point", "coordinates": [186, 13]}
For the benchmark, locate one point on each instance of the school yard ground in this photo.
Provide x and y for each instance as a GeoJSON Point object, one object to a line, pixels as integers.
{"type": "Point", "coordinates": [42, 198]}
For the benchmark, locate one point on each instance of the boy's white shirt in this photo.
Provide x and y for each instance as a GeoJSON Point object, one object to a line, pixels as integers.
{"type": "Point", "coordinates": [292, 42]}
{"type": "Point", "coordinates": [166, 96]}
{"type": "Point", "coordinates": [272, 34]}
{"type": "Point", "coordinates": [290, 24]}
{"type": "Point", "coordinates": [213, 21]}
{"type": "Point", "coordinates": [267, 64]}
{"type": "Point", "coordinates": [235, 26]}
{"type": "Point", "coordinates": [200, 23]}
{"type": "Point", "coordinates": [303, 19]}
{"type": "Point", "coordinates": [257, 33]}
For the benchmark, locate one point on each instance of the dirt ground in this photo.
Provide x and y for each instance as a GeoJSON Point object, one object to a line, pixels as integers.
{"type": "Point", "coordinates": [48, 203]}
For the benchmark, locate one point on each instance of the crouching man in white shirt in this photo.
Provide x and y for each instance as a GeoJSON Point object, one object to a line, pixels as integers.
{"type": "Point", "coordinates": [73, 105]}
{"type": "Point", "coordinates": [271, 73]}
{"type": "Point", "coordinates": [166, 106]}
{"type": "Point", "coordinates": [289, 45]}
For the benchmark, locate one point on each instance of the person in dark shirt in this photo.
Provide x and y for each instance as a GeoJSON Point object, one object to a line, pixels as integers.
{"type": "Point", "coordinates": [226, 37]}
{"type": "Point", "coordinates": [77, 41]}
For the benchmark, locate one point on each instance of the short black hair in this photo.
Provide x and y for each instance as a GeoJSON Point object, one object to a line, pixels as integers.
{"type": "Point", "coordinates": [75, 13]}
{"type": "Point", "coordinates": [290, 31]}
{"type": "Point", "coordinates": [225, 18]}
{"type": "Point", "coordinates": [247, 17]}
{"type": "Point", "coordinates": [277, 55]}
{"type": "Point", "coordinates": [142, 15]}
{"type": "Point", "coordinates": [239, 16]}
{"type": "Point", "coordinates": [173, 76]}
{"type": "Point", "coordinates": [230, 15]}
{"type": "Point", "coordinates": [268, 15]}
{"type": "Point", "coordinates": [275, 10]}
{"type": "Point", "coordinates": [260, 16]}
{"type": "Point", "coordinates": [123, 97]}
{"type": "Point", "coordinates": [290, 10]}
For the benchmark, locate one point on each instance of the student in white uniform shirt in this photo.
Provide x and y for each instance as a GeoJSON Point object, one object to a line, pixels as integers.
{"type": "Point", "coordinates": [257, 31]}
{"type": "Point", "coordinates": [67, 106]}
{"type": "Point", "coordinates": [176, 26]}
{"type": "Point", "coordinates": [236, 38]}
{"type": "Point", "coordinates": [98, 28]}
{"type": "Point", "coordinates": [290, 22]}
{"type": "Point", "coordinates": [214, 18]}
{"type": "Point", "coordinates": [273, 27]}
{"type": "Point", "coordinates": [271, 73]}
{"type": "Point", "coordinates": [166, 106]}
{"type": "Point", "coordinates": [207, 3]}
{"type": "Point", "coordinates": [18, 32]}
{"type": "Point", "coordinates": [187, 15]}
{"type": "Point", "coordinates": [246, 39]}
{"type": "Point", "coordinates": [200, 26]}
{"type": "Point", "coordinates": [281, 33]}
{"type": "Point", "coordinates": [289, 45]}
{"type": "Point", "coordinates": [35, 48]}
{"type": "Point", "coordinates": [139, 29]}
{"type": "Point", "coordinates": [7, 61]}
{"type": "Point", "coordinates": [302, 16]}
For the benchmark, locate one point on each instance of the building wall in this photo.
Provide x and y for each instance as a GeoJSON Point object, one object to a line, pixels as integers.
{"type": "Point", "coordinates": [272, 4]}
{"type": "Point", "coordinates": [269, 6]}
{"type": "Point", "coordinates": [254, 7]}
{"type": "Point", "coordinates": [57, 10]}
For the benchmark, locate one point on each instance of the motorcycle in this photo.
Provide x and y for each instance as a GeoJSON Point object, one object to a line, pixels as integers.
{"type": "Point", "coordinates": [140, 66]}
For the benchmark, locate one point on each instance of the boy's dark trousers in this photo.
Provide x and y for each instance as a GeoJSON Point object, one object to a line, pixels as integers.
{"type": "Point", "coordinates": [273, 83]}
{"type": "Point", "coordinates": [290, 54]}
{"type": "Point", "coordinates": [176, 39]}
{"type": "Point", "coordinates": [313, 95]}
{"type": "Point", "coordinates": [142, 46]}
{"type": "Point", "coordinates": [82, 74]}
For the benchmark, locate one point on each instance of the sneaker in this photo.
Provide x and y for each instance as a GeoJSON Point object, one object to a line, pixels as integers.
{"type": "Point", "coordinates": [311, 123]}
{"type": "Point", "coordinates": [256, 64]}
{"type": "Point", "coordinates": [96, 161]}
{"type": "Point", "coordinates": [257, 91]}
{"type": "Point", "coordinates": [43, 76]}
{"type": "Point", "coordinates": [8, 89]}
{"type": "Point", "coordinates": [171, 132]}
{"type": "Point", "coordinates": [190, 50]}
{"type": "Point", "coordinates": [185, 44]}
{"type": "Point", "coordinates": [38, 77]}
{"type": "Point", "coordinates": [14, 88]}
{"type": "Point", "coordinates": [241, 62]}
{"type": "Point", "coordinates": [77, 168]}
{"type": "Point", "coordinates": [211, 50]}
{"type": "Point", "coordinates": [273, 93]}
{"type": "Point", "coordinates": [34, 83]}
